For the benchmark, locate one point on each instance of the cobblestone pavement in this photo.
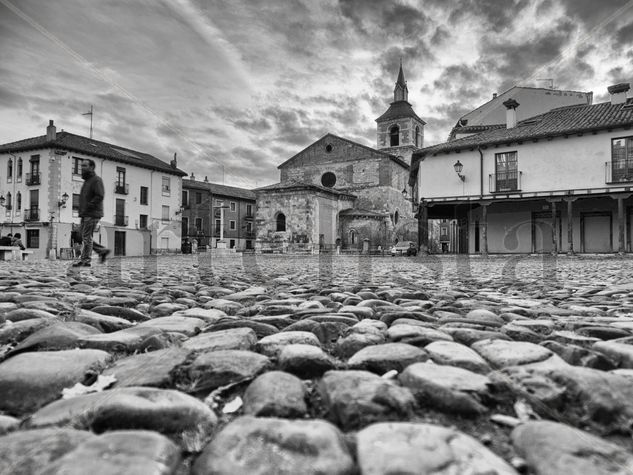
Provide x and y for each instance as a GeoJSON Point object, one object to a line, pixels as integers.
{"type": "Point", "coordinates": [328, 364]}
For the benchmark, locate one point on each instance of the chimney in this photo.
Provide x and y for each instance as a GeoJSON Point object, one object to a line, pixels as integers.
{"type": "Point", "coordinates": [494, 95]}
{"type": "Point", "coordinates": [192, 177]}
{"type": "Point", "coordinates": [511, 113]}
{"type": "Point", "coordinates": [174, 162]}
{"type": "Point", "coordinates": [206, 180]}
{"type": "Point", "coordinates": [618, 92]}
{"type": "Point", "coordinates": [51, 132]}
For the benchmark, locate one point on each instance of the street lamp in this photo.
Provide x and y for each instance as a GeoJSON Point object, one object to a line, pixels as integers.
{"type": "Point", "coordinates": [458, 169]}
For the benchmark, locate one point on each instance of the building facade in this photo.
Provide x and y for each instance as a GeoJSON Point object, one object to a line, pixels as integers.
{"type": "Point", "coordinates": [337, 193]}
{"type": "Point", "coordinates": [218, 215]}
{"type": "Point", "coordinates": [557, 182]}
{"type": "Point", "coordinates": [40, 181]}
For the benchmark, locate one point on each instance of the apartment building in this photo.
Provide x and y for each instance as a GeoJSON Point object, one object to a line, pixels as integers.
{"type": "Point", "coordinates": [218, 215]}
{"type": "Point", "coordinates": [40, 181]}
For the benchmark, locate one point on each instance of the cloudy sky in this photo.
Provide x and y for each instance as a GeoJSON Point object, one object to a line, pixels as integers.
{"type": "Point", "coordinates": [237, 87]}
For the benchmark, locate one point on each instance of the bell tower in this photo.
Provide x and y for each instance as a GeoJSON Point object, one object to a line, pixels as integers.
{"type": "Point", "coordinates": [399, 130]}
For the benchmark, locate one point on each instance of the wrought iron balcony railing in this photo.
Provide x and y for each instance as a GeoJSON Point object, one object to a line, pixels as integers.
{"type": "Point", "coordinates": [505, 182]}
{"type": "Point", "coordinates": [33, 179]}
{"type": "Point", "coordinates": [121, 188]}
{"type": "Point", "coordinates": [32, 214]}
{"type": "Point", "coordinates": [120, 220]}
{"type": "Point", "coordinates": [618, 171]}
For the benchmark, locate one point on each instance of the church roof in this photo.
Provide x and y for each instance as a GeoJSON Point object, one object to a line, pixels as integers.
{"type": "Point", "coordinates": [397, 110]}
{"type": "Point", "coordinates": [354, 212]}
{"type": "Point", "coordinates": [296, 185]}
{"type": "Point", "coordinates": [392, 157]}
{"type": "Point", "coordinates": [401, 80]}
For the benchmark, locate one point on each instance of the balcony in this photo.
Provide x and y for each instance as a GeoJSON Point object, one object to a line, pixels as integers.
{"type": "Point", "coordinates": [618, 171]}
{"type": "Point", "coordinates": [32, 214]}
{"type": "Point", "coordinates": [121, 188]}
{"type": "Point", "coordinates": [505, 182]}
{"type": "Point", "coordinates": [33, 179]}
{"type": "Point", "coordinates": [120, 220]}
{"type": "Point", "coordinates": [249, 234]}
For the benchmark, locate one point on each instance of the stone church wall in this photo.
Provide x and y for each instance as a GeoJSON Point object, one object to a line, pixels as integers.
{"type": "Point", "coordinates": [374, 229]}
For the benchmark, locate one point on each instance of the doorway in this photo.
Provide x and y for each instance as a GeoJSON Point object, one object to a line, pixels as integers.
{"type": "Point", "coordinates": [119, 243]}
{"type": "Point", "coordinates": [542, 232]}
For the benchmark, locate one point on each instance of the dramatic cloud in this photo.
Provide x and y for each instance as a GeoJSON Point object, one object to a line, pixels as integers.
{"type": "Point", "coordinates": [237, 87]}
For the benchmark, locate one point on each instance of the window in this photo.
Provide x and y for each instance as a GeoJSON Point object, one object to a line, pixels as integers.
{"type": "Point", "coordinates": [417, 136]}
{"type": "Point", "coordinates": [76, 204]}
{"type": "Point", "coordinates": [249, 210]}
{"type": "Point", "coordinates": [165, 213]}
{"type": "Point", "coordinates": [18, 201]}
{"type": "Point", "coordinates": [328, 179]}
{"type": "Point", "coordinates": [166, 188]}
{"type": "Point", "coordinates": [198, 198]}
{"type": "Point", "coordinates": [9, 203]}
{"type": "Point", "coordinates": [33, 238]}
{"type": "Point", "coordinates": [142, 221]}
{"type": "Point", "coordinates": [394, 136]}
{"type": "Point", "coordinates": [249, 244]}
{"type": "Point", "coordinates": [198, 224]}
{"type": "Point", "coordinates": [18, 172]}
{"type": "Point", "coordinates": [232, 225]}
{"type": "Point", "coordinates": [233, 206]}
{"type": "Point", "coordinates": [144, 193]}
{"type": "Point", "coordinates": [77, 166]}
{"type": "Point", "coordinates": [352, 237]}
{"type": "Point", "coordinates": [506, 171]}
{"type": "Point", "coordinates": [622, 159]}
{"type": "Point", "coordinates": [120, 185]}
{"type": "Point", "coordinates": [10, 170]}
{"type": "Point", "coordinates": [218, 223]}
{"type": "Point", "coordinates": [231, 243]}
{"type": "Point", "coordinates": [120, 175]}
{"type": "Point", "coordinates": [281, 222]}
{"type": "Point", "coordinates": [35, 164]}
{"type": "Point", "coordinates": [185, 198]}
{"type": "Point", "coordinates": [249, 227]}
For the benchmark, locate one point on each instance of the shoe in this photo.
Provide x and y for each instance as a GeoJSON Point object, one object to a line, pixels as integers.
{"type": "Point", "coordinates": [81, 264]}
{"type": "Point", "coordinates": [103, 255]}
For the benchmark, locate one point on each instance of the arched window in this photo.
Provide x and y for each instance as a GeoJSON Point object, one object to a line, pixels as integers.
{"type": "Point", "coordinates": [9, 202]}
{"type": "Point", "coordinates": [281, 222]}
{"type": "Point", "coordinates": [10, 170]}
{"type": "Point", "coordinates": [19, 170]}
{"type": "Point", "coordinates": [18, 201]}
{"type": "Point", "coordinates": [417, 136]}
{"type": "Point", "coordinates": [396, 217]}
{"type": "Point", "coordinates": [353, 237]}
{"type": "Point", "coordinates": [394, 134]}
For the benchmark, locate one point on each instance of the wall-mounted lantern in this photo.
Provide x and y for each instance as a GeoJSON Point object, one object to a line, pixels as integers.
{"type": "Point", "coordinates": [458, 169]}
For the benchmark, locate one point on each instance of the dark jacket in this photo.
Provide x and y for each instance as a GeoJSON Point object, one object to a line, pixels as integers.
{"type": "Point", "coordinates": [91, 198]}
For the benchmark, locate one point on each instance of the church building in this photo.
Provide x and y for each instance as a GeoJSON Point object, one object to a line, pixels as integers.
{"type": "Point", "coordinates": [340, 193]}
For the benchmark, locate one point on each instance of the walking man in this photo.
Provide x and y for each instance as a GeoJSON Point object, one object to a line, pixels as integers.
{"type": "Point", "coordinates": [90, 212]}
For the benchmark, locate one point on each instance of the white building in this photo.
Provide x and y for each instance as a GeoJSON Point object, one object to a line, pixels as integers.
{"type": "Point", "coordinates": [559, 181]}
{"type": "Point", "coordinates": [40, 180]}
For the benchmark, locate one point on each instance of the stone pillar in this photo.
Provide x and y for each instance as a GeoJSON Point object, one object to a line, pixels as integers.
{"type": "Point", "coordinates": [570, 227]}
{"type": "Point", "coordinates": [621, 225]}
{"type": "Point", "coordinates": [221, 244]}
{"type": "Point", "coordinates": [484, 229]}
{"type": "Point", "coordinates": [554, 233]}
{"type": "Point", "coordinates": [423, 227]}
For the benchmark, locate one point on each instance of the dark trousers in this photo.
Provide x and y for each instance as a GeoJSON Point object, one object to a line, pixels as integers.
{"type": "Point", "coordinates": [88, 226]}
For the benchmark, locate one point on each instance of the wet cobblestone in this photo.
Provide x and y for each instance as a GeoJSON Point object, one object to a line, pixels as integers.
{"type": "Point", "coordinates": [305, 364]}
